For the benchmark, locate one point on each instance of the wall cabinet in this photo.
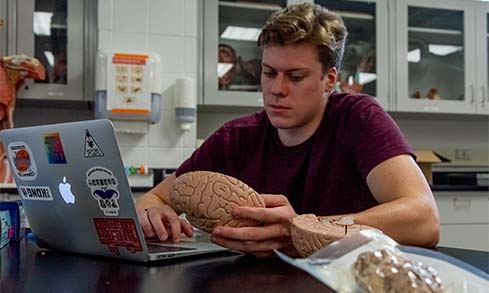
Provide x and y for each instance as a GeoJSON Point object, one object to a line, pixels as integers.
{"type": "Point", "coordinates": [482, 57]}
{"type": "Point", "coordinates": [231, 76]}
{"type": "Point", "coordinates": [364, 68]}
{"type": "Point", "coordinates": [3, 30]}
{"type": "Point", "coordinates": [438, 56]}
{"type": "Point", "coordinates": [231, 58]}
{"type": "Point", "coordinates": [412, 55]}
{"type": "Point", "coordinates": [62, 35]}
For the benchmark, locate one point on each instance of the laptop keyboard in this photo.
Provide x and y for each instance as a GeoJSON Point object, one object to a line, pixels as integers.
{"type": "Point", "coordinates": [157, 248]}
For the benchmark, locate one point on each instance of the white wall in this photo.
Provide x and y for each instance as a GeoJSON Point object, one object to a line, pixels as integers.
{"type": "Point", "coordinates": [169, 28]}
{"type": "Point", "coordinates": [448, 133]}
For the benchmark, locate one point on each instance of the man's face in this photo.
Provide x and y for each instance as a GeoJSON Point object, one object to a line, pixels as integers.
{"type": "Point", "coordinates": [295, 88]}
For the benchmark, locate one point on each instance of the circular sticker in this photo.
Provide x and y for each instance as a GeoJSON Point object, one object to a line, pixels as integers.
{"type": "Point", "coordinates": [22, 160]}
{"type": "Point", "coordinates": [103, 187]}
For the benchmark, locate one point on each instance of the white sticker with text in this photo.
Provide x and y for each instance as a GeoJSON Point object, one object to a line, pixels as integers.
{"type": "Point", "coordinates": [35, 192]}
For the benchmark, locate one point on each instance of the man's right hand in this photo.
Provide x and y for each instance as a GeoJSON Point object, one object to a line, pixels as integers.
{"type": "Point", "coordinates": [163, 222]}
{"type": "Point", "coordinates": [157, 218]}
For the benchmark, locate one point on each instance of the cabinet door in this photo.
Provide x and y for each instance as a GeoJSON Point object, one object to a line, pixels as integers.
{"type": "Point", "coordinates": [52, 31]}
{"type": "Point", "coordinates": [362, 70]}
{"type": "Point", "coordinates": [3, 29]}
{"type": "Point", "coordinates": [482, 47]}
{"type": "Point", "coordinates": [435, 61]}
{"type": "Point", "coordinates": [232, 59]}
{"type": "Point", "coordinates": [463, 218]}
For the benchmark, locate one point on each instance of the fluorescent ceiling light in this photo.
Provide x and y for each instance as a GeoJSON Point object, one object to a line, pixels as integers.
{"type": "Point", "coordinates": [50, 57]}
{"type": "Point", "coordinates": [42, 23]}
{"type": "Point", "coordinates": [241, 33]}
{"type": "Point", "coordinates": [223, 68]}
{"type": "Point", "coordinates": [364, 78]}
{"type": "Point", "coordinates": [355, 15]}
{"type": "Point", "coordinates": [443, 50]}
{"type": "Point", "coordinates": [414, 56]}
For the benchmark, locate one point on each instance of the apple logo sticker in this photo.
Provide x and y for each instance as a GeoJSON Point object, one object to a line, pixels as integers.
{"type": "Point", "coordinates": [65, 191]}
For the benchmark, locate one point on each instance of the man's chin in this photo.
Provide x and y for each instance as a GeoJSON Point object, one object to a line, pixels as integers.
{"type": "Point", "coordinates": [281, 124]}
{"type": "Point", "coordinates": [280, 121]}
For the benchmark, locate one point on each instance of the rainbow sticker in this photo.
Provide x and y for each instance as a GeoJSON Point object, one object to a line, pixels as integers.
{"type": "Point", "coordinates": [54, 148]}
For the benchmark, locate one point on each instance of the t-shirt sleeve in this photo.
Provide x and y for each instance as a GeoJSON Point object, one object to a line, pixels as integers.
{"type": "Point", "coordinates": [374, 135]}
{"type": "Point", "coordinates": [208, 157]}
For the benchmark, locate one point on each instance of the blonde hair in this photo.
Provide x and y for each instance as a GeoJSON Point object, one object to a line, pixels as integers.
{"type": "Point", "coordinates": [307, 23]}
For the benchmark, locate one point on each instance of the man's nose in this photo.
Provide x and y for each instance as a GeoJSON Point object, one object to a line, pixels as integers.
{"type": "Point", "coordinates": [279, 85]}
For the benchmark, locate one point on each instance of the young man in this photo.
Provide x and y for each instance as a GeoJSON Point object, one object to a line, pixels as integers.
{"type": "Point", "coordinates": [310, 151]}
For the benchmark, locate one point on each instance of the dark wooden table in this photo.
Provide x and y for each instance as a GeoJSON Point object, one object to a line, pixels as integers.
{"type": "Point", "coordinates": [26, 268]}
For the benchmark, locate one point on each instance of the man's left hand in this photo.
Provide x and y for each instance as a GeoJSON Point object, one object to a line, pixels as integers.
{"type": "Point", "coordinates": [259, 241]}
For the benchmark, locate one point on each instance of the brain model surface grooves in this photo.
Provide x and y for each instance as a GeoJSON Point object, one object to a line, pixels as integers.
{"type": "Point", "coordinates": [310, 233]}
{"type": "Point", "coordinates": [385, 271]}
{"type": "Point", "coordinates": [208, 198]}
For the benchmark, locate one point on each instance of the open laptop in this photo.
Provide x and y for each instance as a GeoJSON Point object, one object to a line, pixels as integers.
{"type": "Point", "coordinates": [76, 195]}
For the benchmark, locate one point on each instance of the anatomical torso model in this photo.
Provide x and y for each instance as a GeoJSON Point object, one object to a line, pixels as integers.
{"type": "Point", "coordinates": [13, 71]}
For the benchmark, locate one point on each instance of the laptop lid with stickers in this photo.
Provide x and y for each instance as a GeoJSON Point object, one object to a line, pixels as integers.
{"type": "Point", "coordinates": [76, 195]}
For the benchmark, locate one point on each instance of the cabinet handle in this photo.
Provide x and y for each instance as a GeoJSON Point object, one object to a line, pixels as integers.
{"type": "Point", "coordinates": [461, 202]}
{"type": "Point", "coordinates": [56, 94]}
{"type": "Point", "coordinates": [472, 98]}
{"type": "Point", "coordinates": [484, 96]}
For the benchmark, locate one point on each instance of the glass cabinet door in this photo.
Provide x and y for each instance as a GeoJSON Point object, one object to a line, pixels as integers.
{"type": "Point", "coordinates": [482, 55]}
{"type": "Point", "coordinates": [3, 27]}
{"type": "Point", "coordinates": [232, 58]}
{"type": "Point", "coordinates": [362, 70]}
{"type": "Point", "coordinates": [232, 75]}
{"type": "Point", "coordinates": [52, 31]}
{"type": "Point", "coordinates": [485, 68]}
{"type": "Point", "coordinates": [435, 60]}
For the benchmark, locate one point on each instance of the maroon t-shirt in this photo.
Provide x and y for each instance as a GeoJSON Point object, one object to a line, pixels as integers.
{"type": "Point", "coordinates": [326, 174]}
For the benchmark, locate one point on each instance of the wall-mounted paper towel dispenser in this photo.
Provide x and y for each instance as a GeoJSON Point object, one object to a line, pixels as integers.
{"type": "Point", "coordinates": [128, 86]}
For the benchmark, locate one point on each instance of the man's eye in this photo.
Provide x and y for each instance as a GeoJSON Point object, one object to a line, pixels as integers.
{"type": "Point", "coordinates": [296, 77]}
{"type": "Point", "coordinates": [268, 74]}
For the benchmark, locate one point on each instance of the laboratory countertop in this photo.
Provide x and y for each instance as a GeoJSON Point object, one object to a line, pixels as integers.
{"type": "Point", "coordinates": [27, 268]}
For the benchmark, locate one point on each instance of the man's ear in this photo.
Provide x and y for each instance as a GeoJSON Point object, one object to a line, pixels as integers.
{"type": "Point", "coordinates": [331, 78]}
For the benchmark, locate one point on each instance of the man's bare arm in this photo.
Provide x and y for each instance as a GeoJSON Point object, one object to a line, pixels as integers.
{"type": "Point", "coordinates": [157, 216]}
{"type": "Point", "coordinates": [158, 195]}
{"type": "Point", "coordinates": [407, 210]}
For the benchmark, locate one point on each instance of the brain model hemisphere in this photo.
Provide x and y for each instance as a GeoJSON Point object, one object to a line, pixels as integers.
{"type": "Point", "coordinates": [310, 233]}
{"type": "Point", "coordinates": [386, 271]}
{"type": "Point", "coordinates": [208, 198]}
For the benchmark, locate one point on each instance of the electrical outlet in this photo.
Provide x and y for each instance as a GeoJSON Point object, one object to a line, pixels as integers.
{"type": "Point", "coordinates": [463, 154]}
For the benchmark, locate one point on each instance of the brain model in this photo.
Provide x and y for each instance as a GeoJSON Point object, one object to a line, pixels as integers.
{"type": "Point", "coordinates": [386, 271]}
{"type": "Point", "coordinates": [310, 233]}
{"type": "Point", "coordinates": [208, 198]}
